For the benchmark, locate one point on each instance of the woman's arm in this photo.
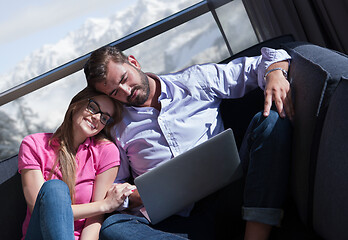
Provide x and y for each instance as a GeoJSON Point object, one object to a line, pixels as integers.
{"type": "Point", "coordinates": [32, 180]}
{"type": "Point", "coordinates": [103, 183]}
{"type": "Point", "coordinates": [107, 198]}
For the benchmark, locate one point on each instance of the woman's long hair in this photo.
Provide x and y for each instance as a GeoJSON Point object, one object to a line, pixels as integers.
{"type": "Point", "coordinates": [62, 139]}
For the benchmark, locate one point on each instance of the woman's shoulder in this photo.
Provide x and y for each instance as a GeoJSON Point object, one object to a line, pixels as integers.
{"type": "Point", "coordinates": [37, 142]}
{"type": "Point", "coordinates": [34, 150]}
{"type": "Point", "coordinates": [38, 137]}
{"type": "Point", "coordinates": [106, 154]}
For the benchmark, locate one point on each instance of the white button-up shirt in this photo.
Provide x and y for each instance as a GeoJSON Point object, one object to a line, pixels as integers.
{"type": "Point", "coordinates": [189, 113]}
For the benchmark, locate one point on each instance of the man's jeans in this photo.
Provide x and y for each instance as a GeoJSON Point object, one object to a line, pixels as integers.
{"type": "Point", "coordinates": [124, 226]}
{"type": "Point", "coordinates": [265, 156]}
{"type": "Point", "coordinates": [52, 217]}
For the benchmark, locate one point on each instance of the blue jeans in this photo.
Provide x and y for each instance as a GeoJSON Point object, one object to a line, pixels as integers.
{"type": "Point", "coordinates": [52, 217]}
{"type": "Point", "coordinates": [124, 226]}
{"type": "Point", "coordinates": [265, 156]}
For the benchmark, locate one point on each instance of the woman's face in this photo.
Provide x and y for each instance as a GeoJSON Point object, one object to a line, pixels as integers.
{"type": "Point", "coordinates": [85, 123]}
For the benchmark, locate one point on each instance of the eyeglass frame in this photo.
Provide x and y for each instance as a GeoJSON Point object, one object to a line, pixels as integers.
{"type": "Point", "coordinates": [109, 121]}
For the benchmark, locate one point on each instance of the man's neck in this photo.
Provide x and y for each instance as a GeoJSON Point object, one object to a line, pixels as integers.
{"type": "Point", "coordinates": [154, 100]}
{"type": "Point", "coordinates": [155, 92]}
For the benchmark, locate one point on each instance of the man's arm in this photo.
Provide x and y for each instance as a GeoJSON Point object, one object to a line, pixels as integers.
{"type": "Point", "coordinates": [277, 90]}
{"type": "Point", "coordinates": [275, 85]}
{"type": "Point", "coordinates": [242, 75]}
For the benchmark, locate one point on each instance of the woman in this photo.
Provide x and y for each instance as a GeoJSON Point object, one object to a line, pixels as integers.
{"type": "Point", "coordinates": [85, 162]}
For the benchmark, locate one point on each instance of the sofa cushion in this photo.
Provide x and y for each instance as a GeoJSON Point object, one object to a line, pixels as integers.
{"type": "Point", "coordinates": [330, 212]}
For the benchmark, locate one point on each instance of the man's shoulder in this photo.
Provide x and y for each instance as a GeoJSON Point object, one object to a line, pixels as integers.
{"type": "Point", "coordinates": [193, 68]}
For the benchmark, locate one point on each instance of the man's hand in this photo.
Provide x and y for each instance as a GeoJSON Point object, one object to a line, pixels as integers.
{"type": "Point", "coordinates": [278, 90]}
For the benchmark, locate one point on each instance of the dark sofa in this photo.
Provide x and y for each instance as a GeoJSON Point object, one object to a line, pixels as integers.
{"type": "Point", "coordinates": [317, 204]}
{"type": "Point", "coordinates": [317, 207]}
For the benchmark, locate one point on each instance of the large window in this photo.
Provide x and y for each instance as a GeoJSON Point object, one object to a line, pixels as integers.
{"type": "Point", "coordinates": [236, 25]}
{"type": "Point", "coordinates": [196, 41]}
{"type": "Point", "coordinates": [37, 36]}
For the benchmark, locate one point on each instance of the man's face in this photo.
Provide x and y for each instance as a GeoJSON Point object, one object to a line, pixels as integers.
{"type": "Point", "coordinates": [125, 83]}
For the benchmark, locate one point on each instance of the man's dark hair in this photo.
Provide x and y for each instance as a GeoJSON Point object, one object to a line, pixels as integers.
{"type": "Point", "coordinates": [97, 65]}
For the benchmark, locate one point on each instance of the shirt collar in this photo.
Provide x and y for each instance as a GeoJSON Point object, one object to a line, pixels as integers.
{"type": "Point", "coordinates": [86, 144]}
{"type": "Point", "coordinates": [163, 94]}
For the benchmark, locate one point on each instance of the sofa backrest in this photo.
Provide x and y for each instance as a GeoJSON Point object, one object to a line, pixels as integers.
{"type": "Point", "coordinates": [315, 73]}
{"type": "Point", "coordinates": [330, 196]}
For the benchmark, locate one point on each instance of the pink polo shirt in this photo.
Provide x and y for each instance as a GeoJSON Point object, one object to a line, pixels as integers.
{"type": "Point", "coordinates": [92, 159]}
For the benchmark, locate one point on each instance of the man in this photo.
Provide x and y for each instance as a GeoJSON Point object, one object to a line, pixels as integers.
{"type": "Point", "coordinates": [166, 115]}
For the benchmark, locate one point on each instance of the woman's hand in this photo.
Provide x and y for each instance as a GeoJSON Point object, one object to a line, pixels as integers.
{"type": "Point", "coordinates": [117, 194]}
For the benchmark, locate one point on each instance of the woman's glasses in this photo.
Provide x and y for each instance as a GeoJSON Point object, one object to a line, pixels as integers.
{"type": "Point", "coordinates": [94, 108]}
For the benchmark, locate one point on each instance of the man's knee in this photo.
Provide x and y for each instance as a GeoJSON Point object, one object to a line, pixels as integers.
{"type": "Point", "coordinates": [272, 117]}
{"type": "Point", "coordinates": [272, 121]}
{"type": "Point", "coordinates": [280, 125]}
{"type": "Point", "coordinates": [119, 226]}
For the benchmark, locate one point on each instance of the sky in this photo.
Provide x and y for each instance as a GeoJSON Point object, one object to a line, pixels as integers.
{"type": "Point", "coordinates": [28, 25]}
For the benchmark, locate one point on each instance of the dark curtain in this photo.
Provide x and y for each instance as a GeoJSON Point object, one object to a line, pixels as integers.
{"type": "Point", "coordinates": [321, 22]}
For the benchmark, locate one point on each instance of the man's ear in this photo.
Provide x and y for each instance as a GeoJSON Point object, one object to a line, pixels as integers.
{"type": "Point", "coordinates": [133, 61]}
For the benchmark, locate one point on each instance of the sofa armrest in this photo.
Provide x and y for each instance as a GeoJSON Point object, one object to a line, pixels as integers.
{"type": "Point", "coordinates": [12, 201]}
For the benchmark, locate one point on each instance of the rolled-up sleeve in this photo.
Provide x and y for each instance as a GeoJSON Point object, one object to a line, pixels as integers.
{"type": "Point", "coordinates": [239, 76]}
{"type": "Point", "coordinates": [268, 57]}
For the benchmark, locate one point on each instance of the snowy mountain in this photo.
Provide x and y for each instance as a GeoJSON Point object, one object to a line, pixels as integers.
{"type": "Point", "coordinates": [92, 34]}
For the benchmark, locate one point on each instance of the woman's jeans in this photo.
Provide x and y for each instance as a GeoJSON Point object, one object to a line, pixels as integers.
{"type": "Point", "coordinates": [52, 217]}
{"type": "Point", "coordinates": [265, 157]}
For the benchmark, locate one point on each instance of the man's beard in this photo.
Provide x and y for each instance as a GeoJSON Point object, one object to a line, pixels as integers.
{"type": "Point", "coordinates": [143, 91]}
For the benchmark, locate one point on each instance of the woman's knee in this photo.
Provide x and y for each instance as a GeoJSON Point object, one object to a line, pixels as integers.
{"type": "Point", "coordinates": [56, 190]}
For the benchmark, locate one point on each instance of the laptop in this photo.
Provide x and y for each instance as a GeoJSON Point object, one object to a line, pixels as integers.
{"type": "Point", "coordinates": [189, 177]}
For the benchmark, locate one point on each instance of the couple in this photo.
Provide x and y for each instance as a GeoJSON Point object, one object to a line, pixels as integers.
{"type": "Point", "coordinates": [161, 116]}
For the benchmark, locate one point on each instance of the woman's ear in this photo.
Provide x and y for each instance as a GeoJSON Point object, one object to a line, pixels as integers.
{"type": "Point", "coordinates": [133, 61]}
